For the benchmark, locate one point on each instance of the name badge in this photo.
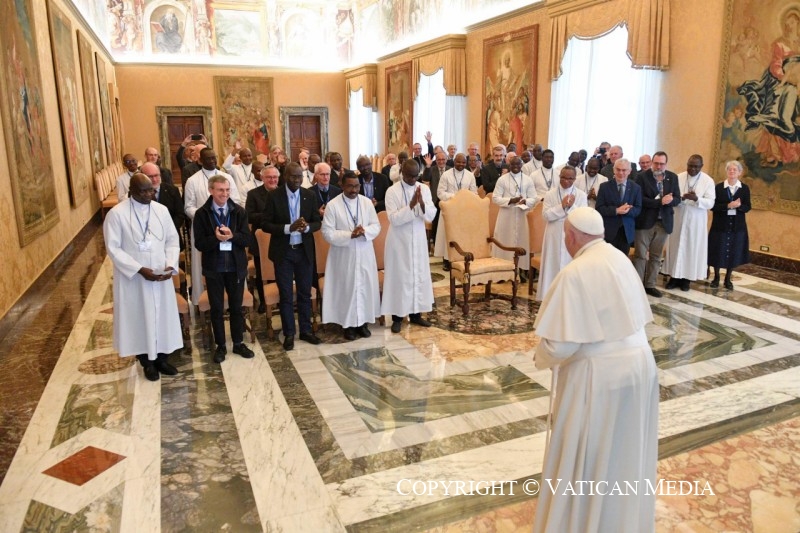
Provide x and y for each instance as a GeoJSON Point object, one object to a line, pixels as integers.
{"type": "Point", "coordinates": [145, 246]}
{"type": "Point", "coordinates": [226, 246]}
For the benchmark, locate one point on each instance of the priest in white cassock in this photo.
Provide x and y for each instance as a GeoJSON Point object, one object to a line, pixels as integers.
{"type": "Point", "coordinates": [546, 178]}
{"type": "Point", "coordinates": [242, 173]}
{"type": "Point", "coordinates": [143, 245]}
{"type": "Point", "coordinates": [452, 181]}
{"type": "Point", "coordinates": [604, 425]}
{"type": "Point", "coordinates": [407, 286]}
{"type": "Point", "coordinates": [195, 195]}
{"type": "Point", "coordinates": [686, 258]}
{"type": "Point", "coordinates": [516, 195]}
{"type": "Point", "coordinates": [536, 160]}
{"type": "Point", "coordinates": [351, 296]}
{"type": "Point", "coordinates": [557, 204]}
{"type": "Point", "coordinates": [590, 181]}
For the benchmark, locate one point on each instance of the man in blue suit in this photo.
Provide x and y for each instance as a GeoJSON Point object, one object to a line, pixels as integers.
{"type": "Point", "coordinates": [619, 202]}
{"type": "Point", "coordinates": [661, 192]}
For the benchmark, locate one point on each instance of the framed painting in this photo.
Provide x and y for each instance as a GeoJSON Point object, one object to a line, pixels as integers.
{"type": "Point", "coordinates": [245, 111]}
{"type": "Point", "coordinates": [510, 62]}
{"type": "Point", "coordinates": [112, 153]}
{"type": "Point", "coordinates": [68, 104]}
{"type": "Point", "coordinates": [399, 109]}
{"type": "Point", "coordinates": [89, 82]}
{"type": "Point", "coordinates": [25, 129]}
{"type": "Point", "coordinates": [758, 122]}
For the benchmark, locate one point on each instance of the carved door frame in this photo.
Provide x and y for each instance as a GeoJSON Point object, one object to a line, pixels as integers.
{"type": "Point", "coordinates": [321, 112]}
{"type": "Point", "coordinates": [163, 112]}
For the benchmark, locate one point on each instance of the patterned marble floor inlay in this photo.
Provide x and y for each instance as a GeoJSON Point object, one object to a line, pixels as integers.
{"type": "Point", "coordinates": [387, 395]}
{"type": "Point", "coordinates": [317, 439]}
{"type": "Point", "coordinates": [84, 465]}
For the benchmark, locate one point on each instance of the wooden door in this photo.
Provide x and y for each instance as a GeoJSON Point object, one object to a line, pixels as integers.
{"type": "Point", "coordinates": [178, 128]}
{"type": "Point", "coordinates": [304, 132]}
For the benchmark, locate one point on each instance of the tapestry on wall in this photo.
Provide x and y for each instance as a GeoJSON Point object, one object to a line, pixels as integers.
{"type": "Point", "coordinates": [399, 110]}
{"type": "Point", "coordinates": [510, 62]}
{"type": "Point", "coordinates": [89, 82]}
{"type": "Point", "coordinates": [112, 153]}
{"type": "Point", "coordinates": [24, 125]}
{"type": "Point", "coordinates": [68, 104]}
{"type": "Point", "coordinates": [758, 122]}
{"type": "Point", "coordinates": [245, 113]}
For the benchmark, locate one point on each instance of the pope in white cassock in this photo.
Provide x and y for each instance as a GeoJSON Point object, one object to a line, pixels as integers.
{"type": "Point", "coordinates": [604, 425]}
{"type": "Point", "coordinates": [516, 195]}
{"type": "Point", "coordinates": [558, 203]}
{"type": "Point", "coordinates": [407, 286]}
{"type": "Point", "coordinates": [143, 246]}
{"type": "Point", "coordinates": [686, 258]}
{"type": "Point", "coordinates": [452, 181]}
{"type": "Point", "coordinates": [351, 295]}
{"type": "Point", "coordinates": [195, 195]}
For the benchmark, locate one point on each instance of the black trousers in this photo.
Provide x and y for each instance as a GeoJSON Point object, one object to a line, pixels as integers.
{"type": "Point", "coordinates": [217, 284]}
{"type": "Point", "coordinates": [412, 316]}
{"type": "Point", "coordinates": [620, 241]}
{"type": "Point", "coordinates": [294, 272]}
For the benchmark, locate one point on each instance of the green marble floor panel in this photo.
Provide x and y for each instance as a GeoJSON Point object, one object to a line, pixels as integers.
{"type": "Point", "coordinates": [101, 336]}
{"type": "Point", "coordinates": [775, 290]}
{"type": "Point", "coordinates": [102, 515]}
{"type": "Point", "coordinates": [102, 405]}
{"type": "Point", "coordinates": [387, 395]}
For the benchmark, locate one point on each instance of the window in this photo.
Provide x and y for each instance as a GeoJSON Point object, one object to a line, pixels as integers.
{"type": "Point", "coordinates": [599, 97]}
{"type": "Point", "coordinates": [442, 115]}
{"type": "Point", "coordinates": [363, 128]}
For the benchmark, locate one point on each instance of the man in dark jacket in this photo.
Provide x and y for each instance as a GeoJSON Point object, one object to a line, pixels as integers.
{"type": "Point", "coordinates": [221, 233]}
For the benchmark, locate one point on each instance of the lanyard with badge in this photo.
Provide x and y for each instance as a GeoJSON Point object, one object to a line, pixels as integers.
{"type": "Point", "coordinates": [354, 217]}
{"type": "Point", "coordinates": [224, 246]}
{"type": "Point", "coordinates": [145, 244]}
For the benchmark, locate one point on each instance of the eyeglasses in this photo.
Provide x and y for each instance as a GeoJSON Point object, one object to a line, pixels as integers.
{"type": "Point", "coordinates": [151, 176]}
{"type": "Point", "coordinates": [126, 161]}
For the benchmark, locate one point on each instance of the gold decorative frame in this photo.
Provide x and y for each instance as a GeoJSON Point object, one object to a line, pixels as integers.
{"type": "Point", "coordinates": [89, 82]}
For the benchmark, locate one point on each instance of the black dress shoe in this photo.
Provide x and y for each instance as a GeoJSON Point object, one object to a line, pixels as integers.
{"type": "Point", "coordinates": [150, 371]}
{"type": "Point", "coordinates": [310, 338]}
{"type": "Point", "coordinates": [728, 285]}
{"type": "Point", "coordinates": [685, 283]}
{"type": "Point", "coordinates": [446, 265]}
{"type": "Point", "coordinates": [421, 322]}
{"type": "Point", "coordinates": [219, 354]}
{"type": "Point", "coordinates": [715, 283]}
{"type": "Point", "coordinates": [364, 331]}
{"type": "Point", "coordinates": [396, 326]}
{"type": "Point", "coordinates": [652, 291]}
{"type": "Point", "coordinates": [288, 342]}
{"type": "Point", "coordinates": [163, 366]}
{"type": "Point", "coordinates": [673, 283]}
{"type": "Point", "coordinates": [242, 350]}
{"type": "Point", "coordinates": [350, 334]}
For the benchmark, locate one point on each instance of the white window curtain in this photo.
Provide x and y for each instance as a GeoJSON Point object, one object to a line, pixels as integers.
{"type": "Point", "coordinates": [363, 128]}
{"type": "Point", "coordinates": [455, 124]}
{"type": "Point", "coordinates": [599, 97]}
{"type": "Point", "coordinates": [429, 110]}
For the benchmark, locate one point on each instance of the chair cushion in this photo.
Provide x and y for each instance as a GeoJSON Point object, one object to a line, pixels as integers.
{"type": "Point", "coordinates": [483, 266]}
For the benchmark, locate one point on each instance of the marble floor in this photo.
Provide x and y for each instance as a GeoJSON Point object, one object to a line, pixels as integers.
{"type": "Point", "coordinates": [345, 436]}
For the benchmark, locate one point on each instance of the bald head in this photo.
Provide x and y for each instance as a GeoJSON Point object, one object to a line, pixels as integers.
{"type": "Point", "coordinates": [152, 171]}
{"type": "Point", "coordinates": [141, 188]}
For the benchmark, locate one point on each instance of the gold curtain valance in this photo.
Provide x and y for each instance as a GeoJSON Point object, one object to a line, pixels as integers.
{"type": "Point", "coordinates": [648, 31]}
{"type": "Point", "coordinates": [448, 53]}
{"type": "Point", "coordinates": [364, 77]}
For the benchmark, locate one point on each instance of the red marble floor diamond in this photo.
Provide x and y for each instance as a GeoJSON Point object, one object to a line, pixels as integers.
{"type": "Point", "coordinates": [84, 465]}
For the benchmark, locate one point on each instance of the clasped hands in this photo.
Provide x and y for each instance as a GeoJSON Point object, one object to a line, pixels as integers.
{"type": "Point", "coordinates": [358, 231]}
{"type": "Point", "coordinates": [149, 275]}
{"type": "Point", "coordinates": [568, 200]}
{"type": "Point", "coordinates": [416, 199]}
{"type": "Point", "coordinates": [734, 204]}
{"type": "Point", "coordinates": [223, 233]}
{"type": "Point", "coordinates": [691, 195]}
{"type": "Point", "coordinates": [623, 209]}
{"type": "Point", "coordinates": [299, 225]}
{"type": "Point", "coordinates": [667, 199]}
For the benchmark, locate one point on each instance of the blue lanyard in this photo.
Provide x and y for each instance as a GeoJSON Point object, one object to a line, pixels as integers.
{"type": "Point", "coordinates": [459, 181]}
{"type": "Point", "coordinates": [218, 220]}
{"type": "Point", "coordinates": [146, 227]}
{"type": "Point", "coordinates": [358, 207]}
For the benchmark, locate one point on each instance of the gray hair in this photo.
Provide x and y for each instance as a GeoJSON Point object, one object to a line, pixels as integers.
{"type": "Point", "coordinates": [734, 163]}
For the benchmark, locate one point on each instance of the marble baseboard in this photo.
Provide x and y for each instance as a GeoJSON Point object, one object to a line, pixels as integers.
{"type": "Point", "coordinates": [775, 262]}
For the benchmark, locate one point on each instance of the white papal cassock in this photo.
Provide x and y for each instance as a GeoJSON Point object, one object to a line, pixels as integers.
{"type": "Point", "coordinates": [512, 221]}
{"type": "Point", "coordinates": [687, 245]}
{"type": "Point", "coordinates": [450, 183]}
{"type": "Point", "coordinates": [407, 286]}
{"type": "Point", "coordinates": [605, 411]}
{"type": "Point", "coordinates": [554, 253]}
{"type": "Point", "coordinates": [145, 312]}
{"type": "Point", "coordinates": [352, 295]}
{"type": "Point", "coordinates": [195, 195]}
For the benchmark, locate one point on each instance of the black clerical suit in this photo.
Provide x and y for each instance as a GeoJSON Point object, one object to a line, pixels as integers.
{"type": "Point", "coordinates": [255, 205]}
{"type": "Point", "coordinates": [490, 173]}
{"type": "Point", "coordinates": [294, 263]}
{"type": "Point", "coordinates": [170, 197]}
{"type": "Point", "coordinates": [225, 271]}
{"type": "Point", "coordinates": [380, 184]}
{"type": "Point", "coordinates": [431, 176]}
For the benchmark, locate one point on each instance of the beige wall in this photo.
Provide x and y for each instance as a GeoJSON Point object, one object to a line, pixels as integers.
{"type": "Point", "coordinates": [143, 88]}
{"type": "Point", "coordinates": [23, 265]}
